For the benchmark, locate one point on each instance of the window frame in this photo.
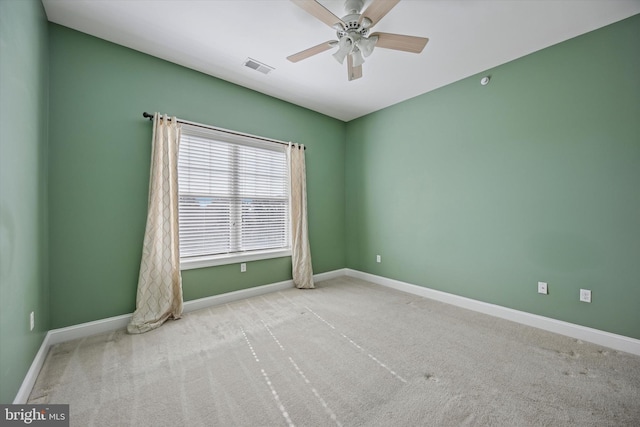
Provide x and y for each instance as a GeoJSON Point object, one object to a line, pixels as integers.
{"type": "Point", "coordinates": [222, 135]}
{"type": "Point", "coordinates": [234, 258]}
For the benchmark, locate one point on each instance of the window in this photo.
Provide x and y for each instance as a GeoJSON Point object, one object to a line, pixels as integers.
{"type": "Point", "coordinates": [233, 198]}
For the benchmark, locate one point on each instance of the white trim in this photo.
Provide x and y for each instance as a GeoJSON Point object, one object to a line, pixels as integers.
{"type": "Point", "coordinates": [230, 133]}
{"type": "Point", "coordinates": [82, 330]}
{"type": "Point", "coordinates": [329, 275]}
{"type": "Point", "coordinates": [596, 336]}
{"type": "Point", "coordinates": [32, 374]}
{"type": "Point", "coordinates": [214, 300]}
{"type": "Point", "coordinates": [235, 258]}
{"type": "Point", "coordinates": [607, 339]}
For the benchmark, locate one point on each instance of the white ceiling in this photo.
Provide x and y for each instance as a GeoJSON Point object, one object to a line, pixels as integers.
{"type": "Point", "coordinates": [217, 36]}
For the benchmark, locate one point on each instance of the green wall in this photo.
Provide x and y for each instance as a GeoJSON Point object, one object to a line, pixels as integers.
{"type": "Point", "coordinates": [482, 191]}
{"type": "Point", "coordinates": [477, 191]}
{"type": "Point", "coordinates": [23, 189]}
{"type": "Point", "coordinates": [99, 170]}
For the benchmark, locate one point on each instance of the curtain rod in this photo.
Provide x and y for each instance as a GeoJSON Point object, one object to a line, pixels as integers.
{"type": "Point", "coordinates": [150, 117]}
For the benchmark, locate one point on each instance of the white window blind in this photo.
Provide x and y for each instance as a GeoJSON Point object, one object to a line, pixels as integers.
{"type": "Point", "coordinates": [233, 194]}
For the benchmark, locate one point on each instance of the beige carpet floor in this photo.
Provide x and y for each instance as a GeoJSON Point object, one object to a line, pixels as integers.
{"type": "Point", "coordinates": [348, 353]}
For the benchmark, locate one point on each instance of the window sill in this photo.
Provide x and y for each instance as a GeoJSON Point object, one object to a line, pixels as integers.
{"type": "Point", "coordinates": [212, 261]}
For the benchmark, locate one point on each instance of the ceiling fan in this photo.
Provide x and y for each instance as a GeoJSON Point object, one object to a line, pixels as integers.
{"type": "Point", "coordinates": [354, 40]}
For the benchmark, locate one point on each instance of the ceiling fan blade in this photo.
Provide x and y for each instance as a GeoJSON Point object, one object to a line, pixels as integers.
{"type": "Point", "coordinates": [377, 10]}
{"type": "Point", "coordinates": [319, 11]}
{"type": "Point", "coordinates": [411, 44]}
{"type": "Point", "coordinates": [354, 72]}
{"type": "Point", "coordinates": [311, 51]}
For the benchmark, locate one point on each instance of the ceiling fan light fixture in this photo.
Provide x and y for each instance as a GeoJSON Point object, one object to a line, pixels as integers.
{"type": "Point", "coordinates": [358, 60]}
{"type": "Point", "coordinates": [366, 45]}
{"type": "Point", "coordinates": [344, 48]}
{"type": "Point", "coordinates": [340, 55]}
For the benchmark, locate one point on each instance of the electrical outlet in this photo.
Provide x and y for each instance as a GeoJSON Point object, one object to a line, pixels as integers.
{"type": "Point", "coordinates": [585, 295]}
{"type": "Point", "coordinates": [32, 321]}
{"type": "Point", "coordinates": [243, 267]}
{"type": "Point", "coordinates": [378, 259]}
{"type": "Point", "coordinates": [542, 288]}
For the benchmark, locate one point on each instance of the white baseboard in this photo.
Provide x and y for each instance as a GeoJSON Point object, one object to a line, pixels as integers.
{"type": "Point", "coordinates": [82, 330]}
{"type": "Point", "coordinates": [32, 373]}
{"type": "Point", "coordinates": [57, 336]}
{"type": "Point", "coordinates": [607, 339]}
{"type": "Point", "coordinates": [200, 303]}
{"type": "Point", "coordinates": [596, 336]}
{"type": "Point", "coordinates": [330, 275]}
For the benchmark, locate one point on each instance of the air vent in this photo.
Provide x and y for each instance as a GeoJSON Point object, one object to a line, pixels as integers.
{"type": "Point", "coordinates": [258, 66]}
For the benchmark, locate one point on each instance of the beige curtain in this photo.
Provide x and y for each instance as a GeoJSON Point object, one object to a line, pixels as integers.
{"type": "Point", "coordinates": [159, 294]}
{"type": "Point", "coordinates": [300, 250]}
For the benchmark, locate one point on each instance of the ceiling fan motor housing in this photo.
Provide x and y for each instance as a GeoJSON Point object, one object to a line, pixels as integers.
{"type": "Point", "coordinates": [352, 27]}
